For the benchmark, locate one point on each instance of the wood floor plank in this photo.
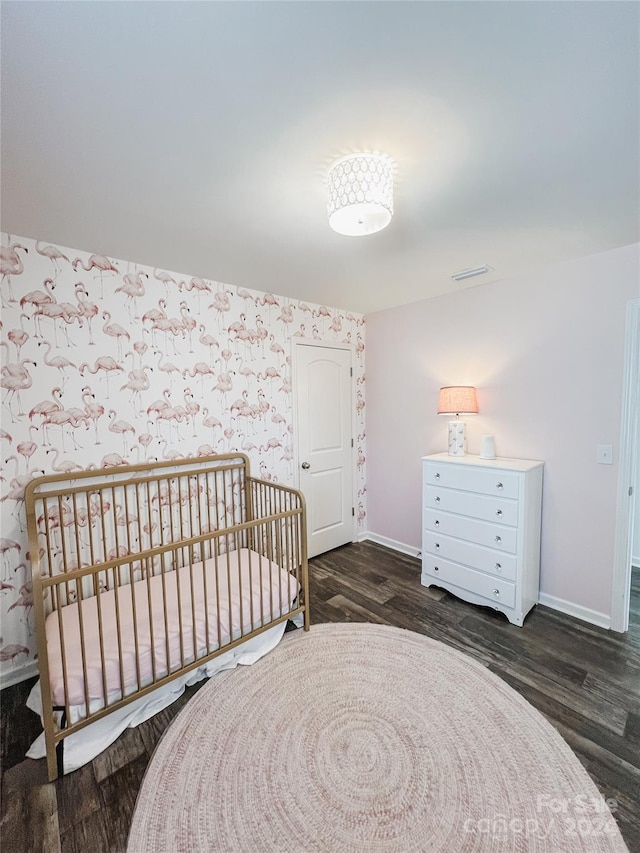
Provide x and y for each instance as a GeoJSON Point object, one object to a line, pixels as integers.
{"type": "Point", "coordinates": [584, 679]}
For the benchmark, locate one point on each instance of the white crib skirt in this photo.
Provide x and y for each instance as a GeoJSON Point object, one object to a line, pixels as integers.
{"type": "Point", "coordinates": [82, 747]}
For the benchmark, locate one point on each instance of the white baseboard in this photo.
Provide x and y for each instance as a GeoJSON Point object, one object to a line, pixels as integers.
{"type": "Point", "coordinates": [575, 610]}
{"type": "Point", "coordinates": [601, 620]}
{"type": "Point", "coordinates": [410, 550]}
{"type": "Point", "coordinates": [15, 676]}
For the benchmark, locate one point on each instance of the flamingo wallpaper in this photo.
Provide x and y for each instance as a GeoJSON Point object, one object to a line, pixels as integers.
{"type": "Point", "coordinates": [107, 362]}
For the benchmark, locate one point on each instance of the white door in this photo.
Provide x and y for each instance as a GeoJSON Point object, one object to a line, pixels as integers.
{"type": "Point", "coordinates": [322, 376]}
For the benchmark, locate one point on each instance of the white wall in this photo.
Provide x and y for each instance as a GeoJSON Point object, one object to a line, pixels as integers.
{"type": "Point", "coordinates": [545, 352]}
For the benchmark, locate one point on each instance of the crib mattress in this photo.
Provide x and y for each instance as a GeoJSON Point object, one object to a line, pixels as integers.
{"type": "Point", "coordinates": [207, 605]}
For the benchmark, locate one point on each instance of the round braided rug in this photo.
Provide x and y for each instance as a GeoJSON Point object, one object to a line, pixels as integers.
{"type": "Point", "coordinates": [359, 737]}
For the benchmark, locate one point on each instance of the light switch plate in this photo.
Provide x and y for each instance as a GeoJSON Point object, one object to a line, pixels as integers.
{"type": "Point", "coordinates": [605, 454]}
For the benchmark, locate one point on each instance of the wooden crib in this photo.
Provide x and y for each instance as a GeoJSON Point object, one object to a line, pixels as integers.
{"type": "Point", "coordinates": [142, 573]}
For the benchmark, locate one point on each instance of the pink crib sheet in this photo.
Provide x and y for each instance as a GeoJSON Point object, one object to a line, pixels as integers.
{"type": "Point", "coordinates": [260, 592]}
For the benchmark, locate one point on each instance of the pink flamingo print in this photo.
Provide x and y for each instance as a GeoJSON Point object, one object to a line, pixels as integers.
{"type": "Point", "coordinates": [275, 347]}
{"type": "Point", "coordinates": [105, 363]}
{"type": "Point", "coordinates": [16, 378]}
{"type": "Point", "coordinates": [197, 284]}
{"type": "Point", "coordinates": [224, 385]}
{"type": "Point", "coordinates": [6, 547]}
{"type": "Point", "coordinates": [156, 313]}
{"type": "Point", "coordinates": [168, 326]}
{"type": "Point", "coordinates": [121, 428]}
{"type": "Point", "coordinates": [262, 332]}
{"type": "Point", "coordinates": [11, 264]}
{"type": "Point", "coordinates": [18, 337]}
{"type": "Point", "coordinates": [168, 368]}
{"type": "Point", "coordinates": [336, 325]}
{"type": "Point", "coordinates": [158, 405]}
{"type": "Point", "coordinates": [58, 361]}
{"type": "Point", "coordinates": [188, 323]}
{"type": "Point", "coordinates": [167, 279]}
{"type": "Point", "coordinates": [87, 310]}
{"type": "Point", "coordinates": [12, 651]}
{"type": "Point", "coordinates": [191, 407]}
{"type": "Point", "coordinates": [39, 297]}
{"type": "Point", "coordinates": [132, 287]}
{"type": "Point", "coordinates": [173, 416]}
{"type": "Point", "coordinates": [145, 440]}
{"type": "Point", "coordinates": [112, 460]}
{"type": "Point", "coordinates": [226, 439]}
{"type": "Point", "coordinates": [116, 331]}
{"type": "Point", "coordinates": [245, 371]}
{"type": "Point", "coordinates": [206, 450]}
{"type": "Point", "coordinates": [221, 303]}
{"type": "Point", "coordinates": [53, 254]}
{"type": "Point", "coordinates": [199, 369]}
{"type": "Point", "coordinates": [207, 341]}
{"type": "Point", "coordinates": [46, 406]}
{"type": "Point", "coordinates": [98, 262]}
{"type": "Point", "coordinates": [138, 382]}
{"type": "Point", "coordinates": [73, 418]}
{"type": "Point", "coordinates": [26, 449]}
{"type": "Point", "coordinates": [57, 311]}
{"type": "Point", "coordinates": [245, 295]}
{"type": "Point", "coordinates": [62, 467]}
{"type": "Point", "coordinates": [286, 315]}
{"type": "Point", "coordinates": [16, 491]}
{"type": "Point", "coordinates": [140, 347]}
{"type": "Point", "coordinates": [211, 422]}
{"type": "Point", "coordinates": [272, 444]}
{"type": "Point", "coordinates": [94, 411]}
{"type": "Point", "coordinates": [269, 300]}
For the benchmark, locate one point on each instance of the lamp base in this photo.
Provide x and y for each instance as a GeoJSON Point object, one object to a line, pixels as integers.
{"type": "Point", "coordinates": [457, 439]}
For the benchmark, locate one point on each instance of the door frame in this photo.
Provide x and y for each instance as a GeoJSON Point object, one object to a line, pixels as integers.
{"type": "Point", "coordinates": [629, 459]}
{"type": "Point", "coordinates": [314, 342]}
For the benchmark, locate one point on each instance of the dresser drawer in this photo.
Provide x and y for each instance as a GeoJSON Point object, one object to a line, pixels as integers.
{"type": "Point", "coordinates": [484, 559]}
{"type": "Point", "coordinates": [472, 530]}
{"type": "Point", "coordinates": [486, 481]}
{"type": "Point", "coordinates": [501, 510]}
{"type": "Point", "coordinates": [491, 588]}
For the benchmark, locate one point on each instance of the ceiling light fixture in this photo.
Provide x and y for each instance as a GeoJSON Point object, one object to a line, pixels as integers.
{"type": "Point", "coordinates": [460, 276]}
{"type": "Point", "coordinates": [360, 194]}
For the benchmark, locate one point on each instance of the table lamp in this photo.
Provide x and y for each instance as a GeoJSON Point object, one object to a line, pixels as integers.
{"type": "Point", "coordinates": [457, 400]}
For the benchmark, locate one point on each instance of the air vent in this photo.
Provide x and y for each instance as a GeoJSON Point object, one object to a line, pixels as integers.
{"type": "Point", "coordinates": [460, 276]}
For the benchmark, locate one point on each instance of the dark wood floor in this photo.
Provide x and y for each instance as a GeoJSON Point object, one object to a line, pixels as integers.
{"type": "Point", "coordinates": [585, 680]}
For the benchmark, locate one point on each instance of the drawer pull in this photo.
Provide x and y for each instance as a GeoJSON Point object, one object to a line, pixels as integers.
{"type": "Point", "coordinates": [436, 569]}
{"type": "Point", "coordinates": [499, 486]}
{"type": "Point", "coordinates": [498, 567]}
{"type": "Point", "coordinates": [498, 512]}
{"type": "Point", "coordinates": [437, 475]}
{"type": "Point", "coordinates": [437, 544]}
{"type": "Point", "coordinates": [437, 499]}
{"type": "Point", "coordinates": [496, 592]}
{"type": "Point", "coordinates": [436, 523]}
{"type": "Point", "coordinates": [498, 538]}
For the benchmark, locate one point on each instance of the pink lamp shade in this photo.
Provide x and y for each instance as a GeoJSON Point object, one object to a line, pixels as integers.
{"type": "Point", "coordinates": [457, 400]}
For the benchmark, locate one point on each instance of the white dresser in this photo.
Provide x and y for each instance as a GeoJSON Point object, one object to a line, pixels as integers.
{"type": "Point", "coordinates": [481, 530]}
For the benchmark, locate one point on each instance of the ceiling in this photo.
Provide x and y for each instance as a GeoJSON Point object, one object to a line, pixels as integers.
{"type": "Point", "coordinates": [196, 137]}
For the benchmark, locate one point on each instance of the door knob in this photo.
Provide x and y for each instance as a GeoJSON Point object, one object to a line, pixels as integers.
{"type": "Point", "coordinates": [306, 465]}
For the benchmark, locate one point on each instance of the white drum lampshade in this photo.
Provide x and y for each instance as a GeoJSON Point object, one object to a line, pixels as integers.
{"type": "Point", "coordinates": [457, 400]}
{"type": "Point", "coordinates": [360, 194]}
